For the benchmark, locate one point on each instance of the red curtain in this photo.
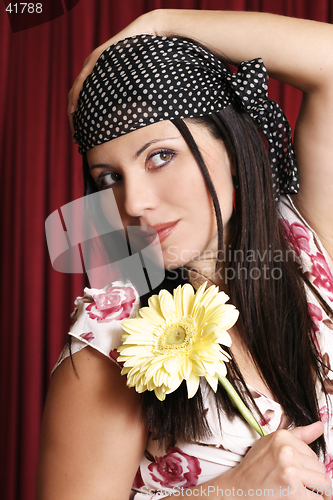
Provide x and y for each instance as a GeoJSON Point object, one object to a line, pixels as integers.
{"type": "Point", "coordinates": [40, 172]}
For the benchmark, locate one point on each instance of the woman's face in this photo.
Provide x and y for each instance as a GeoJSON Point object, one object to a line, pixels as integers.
{"type": "Point", "coordinates": [156, 180]}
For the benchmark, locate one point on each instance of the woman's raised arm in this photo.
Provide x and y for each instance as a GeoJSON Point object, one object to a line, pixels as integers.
{"type": "Point", "coordinates": [295, 51]}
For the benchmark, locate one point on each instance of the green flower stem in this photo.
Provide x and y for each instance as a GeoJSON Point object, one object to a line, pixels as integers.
{"type": "Point", "coordinates": [245, 412]}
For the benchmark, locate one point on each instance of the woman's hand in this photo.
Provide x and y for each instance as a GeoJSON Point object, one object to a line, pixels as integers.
{"type": "Point", "coordinates": [284, 463]}
{"type": "Point", "coordinates": [279, 465]}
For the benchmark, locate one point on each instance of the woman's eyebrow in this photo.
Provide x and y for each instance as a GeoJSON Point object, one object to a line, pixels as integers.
{"type": "Point", "coordinates": [100, 165]}
{"type": "Point", "coordinates": [143, 148]}
{"type": "Point", "coordinates": [137, 154]}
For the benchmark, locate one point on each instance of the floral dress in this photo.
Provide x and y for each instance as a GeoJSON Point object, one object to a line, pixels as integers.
{"type": "Point", "coordinates": [97, 323]}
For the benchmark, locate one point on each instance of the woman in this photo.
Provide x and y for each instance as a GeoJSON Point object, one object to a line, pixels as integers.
{"type": "Point", "coordinates": [158, 165]}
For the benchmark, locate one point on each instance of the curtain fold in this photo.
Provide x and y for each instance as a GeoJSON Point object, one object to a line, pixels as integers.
{"type": "Point", "coordinates": [40, 172]}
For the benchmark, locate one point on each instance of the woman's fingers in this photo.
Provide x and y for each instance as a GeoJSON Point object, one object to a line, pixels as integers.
{"type": "Point", "coordinates": [286, 444]}
{"type": "Point", "coordinates": [299, 464]}
{"type": "Point", "coordinates": [315, 482]}
{"type": "Point", "coordinates": [308, 433]}
{"type": "Point", "coordinates": [284, 460]}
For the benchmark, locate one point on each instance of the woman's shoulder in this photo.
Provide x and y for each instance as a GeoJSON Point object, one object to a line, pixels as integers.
{"type": "Point", "coordinates": [97, 319]}
{"type": "Point", "coordinates": [91, 414]}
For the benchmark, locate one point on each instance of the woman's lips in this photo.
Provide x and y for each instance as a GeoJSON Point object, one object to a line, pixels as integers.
{"type": "Point", "coordinates": [166, 231]}
{"type": "Point", "coordinates": [162, 230]}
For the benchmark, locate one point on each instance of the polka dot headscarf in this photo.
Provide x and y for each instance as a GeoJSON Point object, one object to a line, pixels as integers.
{"type": "Point", "coordinates": [145, 79]}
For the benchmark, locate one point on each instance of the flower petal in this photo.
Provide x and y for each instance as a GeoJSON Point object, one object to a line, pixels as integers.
{"type": "Point", "coordinates": [192, 385]}
{"type": "Point", "coordinates": [215, 299]}
{"type": "Point", "coordinates": [208, 333]}
{"type": "Point", "coordinates": [211, 299]}
{"type": "Point", "coordinates": [223, 337]}
{"type": "Point", "coordinates": [225, 316]}
{"type": "Point", "coordinates": [136, 350]}
{"type": "Point", "coordinates": [188, 299]}
{"type": "Point", "coordinates": [209, 368]}
{"type": "Point", "coordinates": [174, 382]}
{"type": "Point", "coordinates": [199, 294]}
{"type": "Point", "coordinates": [151, 315]}
{"type": "Point", "coordinates": [154, 302]}
{"type": "Point", "coordinates": [173, 364]}
{"type": "Point", "coordinates": [199, 316]}
{"type": "Point", "coordinates": [213, 381]}
{"type": "Point", "coordinates": [167, 304]}
{"type": "Point", "coordinates": [186, 368]}
{"type": "Point", "coordinates": [160, 393]}
{"type": "Point", "coordinates": [135, 325]}
{"type": "Point", "coordinates": [178, 298]}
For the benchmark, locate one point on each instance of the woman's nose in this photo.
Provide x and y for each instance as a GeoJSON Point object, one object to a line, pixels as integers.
{"type": "Point", "coordinates": [140, 195]}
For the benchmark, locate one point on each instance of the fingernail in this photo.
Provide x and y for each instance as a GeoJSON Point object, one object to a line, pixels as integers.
{"type": "Point", "coordinates": [72, 109]}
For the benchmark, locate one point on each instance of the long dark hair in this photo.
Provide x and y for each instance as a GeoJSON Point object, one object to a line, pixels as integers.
{"type": "Point", "coordinates": [274, 323]}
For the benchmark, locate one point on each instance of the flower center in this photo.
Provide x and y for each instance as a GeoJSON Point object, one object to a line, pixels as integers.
{"type": "Point", "coordinates": [176, 335]}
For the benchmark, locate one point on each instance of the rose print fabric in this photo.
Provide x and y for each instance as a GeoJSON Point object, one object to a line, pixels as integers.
{"type": "Point", "coordinates": [97, 318]}
{"type": "Point", "coordinates": [317, 270]}
{"type": "Point", "coordinates": [97, 322]}
{"type": "Point", "coordinates": [174, 468]}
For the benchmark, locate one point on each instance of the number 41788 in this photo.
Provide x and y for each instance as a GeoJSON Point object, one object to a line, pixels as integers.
{"type": "Point", "coordinates": [19, 8]}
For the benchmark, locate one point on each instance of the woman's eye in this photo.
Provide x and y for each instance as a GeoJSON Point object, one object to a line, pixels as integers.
{"type": "Point", "coordinates": [161, 158]}
{"type": "Point", "coordinates": [106, 180]}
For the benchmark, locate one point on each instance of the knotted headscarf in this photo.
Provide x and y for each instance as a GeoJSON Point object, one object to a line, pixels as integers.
{"type": "Point", "coordinates": [146, 79]}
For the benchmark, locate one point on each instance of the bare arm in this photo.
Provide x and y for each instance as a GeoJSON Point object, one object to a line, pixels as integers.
{"type": "Point", "coordinates": [92, 435]}
{"type": "Point", "coordinates": [295, 51]}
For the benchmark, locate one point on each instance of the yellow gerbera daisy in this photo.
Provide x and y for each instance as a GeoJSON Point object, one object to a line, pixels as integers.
{"type": "Point", "coordinates": [177, 337]}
